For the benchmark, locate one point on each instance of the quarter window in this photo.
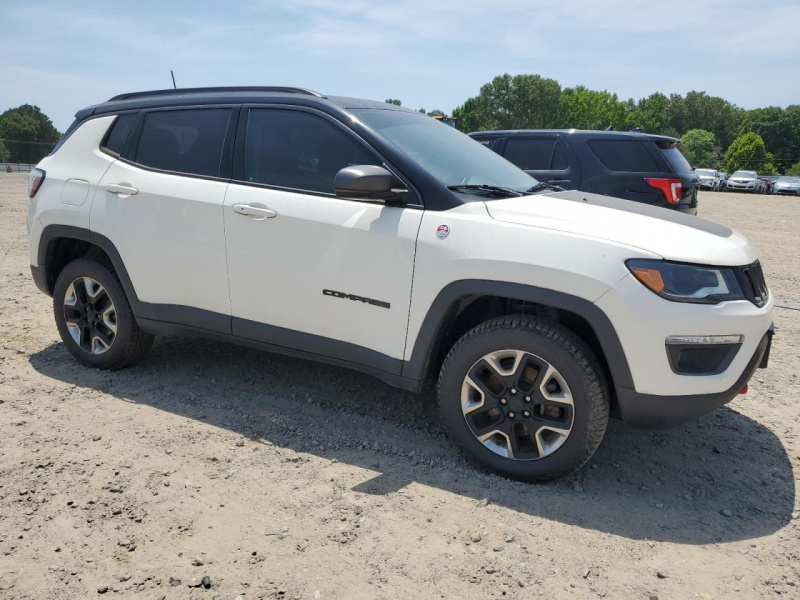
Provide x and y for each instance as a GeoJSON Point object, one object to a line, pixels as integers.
{"type": "Point", "coordinates": [184, 141]}
{"type": "Point", "coordinates": [624, 155]}
{"type": "Point", "coordinates": [298, 150]}
{"type": "Point", "coordinates": [119, 133]}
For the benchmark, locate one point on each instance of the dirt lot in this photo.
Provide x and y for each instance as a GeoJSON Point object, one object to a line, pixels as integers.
{"type": "Point", "coordinates": [279, 478]}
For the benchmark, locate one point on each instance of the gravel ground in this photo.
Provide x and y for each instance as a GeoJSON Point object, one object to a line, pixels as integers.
{"type": "Point", "coordinates": [280, 478]}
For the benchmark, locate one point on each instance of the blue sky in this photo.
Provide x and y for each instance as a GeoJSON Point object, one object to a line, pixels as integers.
{"type": "Point", "coordinates": [63, 56]}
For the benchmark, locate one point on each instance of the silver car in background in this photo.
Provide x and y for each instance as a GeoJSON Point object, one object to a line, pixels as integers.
{"type": "Point", "coordinates": [744, 181]}
{"type": "Point", "coordinates": [787, 185]}
{"type": "Point", "coordinates": [710, 179]}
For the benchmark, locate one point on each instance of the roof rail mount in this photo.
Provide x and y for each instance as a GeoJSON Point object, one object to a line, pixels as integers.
{"type": "Point", "coordinates": [202, 90]}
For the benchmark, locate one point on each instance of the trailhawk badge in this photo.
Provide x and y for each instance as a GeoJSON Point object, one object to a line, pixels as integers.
{"type": "Point", "coordinates": [442, 231]}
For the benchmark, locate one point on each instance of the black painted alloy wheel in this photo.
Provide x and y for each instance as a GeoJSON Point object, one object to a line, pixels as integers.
{"type": "Point", "coordinates": [94, 316]}
{"type": "Point", "coordinates": [525, 397]}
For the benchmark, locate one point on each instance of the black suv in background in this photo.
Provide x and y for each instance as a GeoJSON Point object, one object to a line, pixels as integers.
{"type": "Point", "coordinates": [636, 166]}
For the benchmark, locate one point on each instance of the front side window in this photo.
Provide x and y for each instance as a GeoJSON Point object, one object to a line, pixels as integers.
{"type": "Point", "coordinates": [299, 150]}
{"type": "Point", "coordinates": [184, 141]}
{"type": "Point", "coordinates": [530, 154]}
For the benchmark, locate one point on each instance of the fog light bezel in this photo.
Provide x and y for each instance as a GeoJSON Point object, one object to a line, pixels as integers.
{"type": "Point", "coordinates": [726, 347]}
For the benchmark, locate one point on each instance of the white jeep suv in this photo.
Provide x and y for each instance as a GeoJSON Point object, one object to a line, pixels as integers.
{"type": "Point", "coordinates": [373, 237]}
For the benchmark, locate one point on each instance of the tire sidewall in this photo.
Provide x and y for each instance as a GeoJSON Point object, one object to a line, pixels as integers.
{"type": "Point", "coordinates": [571, 454]}
{"type": "Point", "coordinates": [105, 277]}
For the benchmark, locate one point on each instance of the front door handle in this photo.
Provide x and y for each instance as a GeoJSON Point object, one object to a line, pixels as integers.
{"type": "Point", "coordinates": [255, 212]}
{"type": "Point", "coordinates": [122, 189]}
{"type": "Point", "coordinates": [559, 181]}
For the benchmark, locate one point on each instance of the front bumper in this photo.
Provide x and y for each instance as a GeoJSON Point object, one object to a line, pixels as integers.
{"type": "Point", "coordinates": [648, 411]}
{"type": "Point", "coordinates": [787, 191]}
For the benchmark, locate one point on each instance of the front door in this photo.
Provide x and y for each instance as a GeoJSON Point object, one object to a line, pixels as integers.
{"type": "Point", "coordinates": [308, 270]}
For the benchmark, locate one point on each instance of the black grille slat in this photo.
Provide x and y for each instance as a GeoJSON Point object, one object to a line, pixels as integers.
{"type": "Point", "coordinates": [753, 283]}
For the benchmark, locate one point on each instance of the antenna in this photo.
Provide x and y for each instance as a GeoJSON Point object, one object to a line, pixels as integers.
{"type": "Point", "coordinates": [173, 79]}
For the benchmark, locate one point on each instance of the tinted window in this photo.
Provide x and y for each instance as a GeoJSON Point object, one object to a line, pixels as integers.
{"type": "Point", "coordinates": [298, 150]}
{"type": "Point", "coordinates": [119, 132]}
{"type": "Point", "coordinates": [185, 141]}
{"type": "Point", "coordinates": [624, 155]}
{"type": "Point", "coordinates": [677, 161]}
{"type": "Point", "coordinates": [530, 154]}
{"type": "Point", "coordinates": [560, 160]}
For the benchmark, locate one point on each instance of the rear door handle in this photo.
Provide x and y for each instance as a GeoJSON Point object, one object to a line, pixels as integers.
{"type": "Point", "coordinates": [258, 213]}
{"type": "Point", "coordinates": [121, 189]}
{"type": "Point", "coordinates": [559, 181]}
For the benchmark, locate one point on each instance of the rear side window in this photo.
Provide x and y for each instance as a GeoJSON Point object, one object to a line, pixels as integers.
{"type": "Point", "coordinates": [676, 160]}
{"type": "Point", "coordinates": [530, 154]}
{"type": "Point", "coordinates": [624, 155]}
{"type": "Point", "coordinates": [116, 137]}
{"type": "Point", "coordinates": [184, 141]}
{"type": "Point", "coordinates": [298, 150]}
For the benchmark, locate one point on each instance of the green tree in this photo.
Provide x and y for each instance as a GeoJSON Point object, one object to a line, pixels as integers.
{"type": "Point", "coordinates": [437, 113]}
{"type": "Point", "coordinates": [698, 146]}
{"type": "Point", "coordinates": [748, 152]}
{"type": "Point", "coordinates": [780, 130]}
{"type": "Point", "coordinates": [700, 111]}
{"type": "Point", "coordinates": [28, 133]}
{"type": "Point", "coordinates": [5, 155]}
{"type": "Point", "coordinates": [649, 114]}
{"type": "Point", "coordinates": [393, 101]}
{"type": "Point", "coordinates": [519, 102]}
{"type": "Point", "coordinates": [794, 169]}
{"type": "Point", "coordinates": [466, 116]}
{"type": "Point", "coordinates": [583, 108]}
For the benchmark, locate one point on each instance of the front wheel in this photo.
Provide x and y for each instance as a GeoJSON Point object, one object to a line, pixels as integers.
{"type": "Point", "coordinates": [94, 317]}
{"type": "Point", "coordinates": [525, 397]}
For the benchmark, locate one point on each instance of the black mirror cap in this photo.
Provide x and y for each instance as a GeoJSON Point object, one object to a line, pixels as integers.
{"type": "Point", "coordinates": [366, 182]}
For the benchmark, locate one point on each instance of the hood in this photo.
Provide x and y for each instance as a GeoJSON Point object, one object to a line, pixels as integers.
{"type": "Point", "coordinates": [665, 232]}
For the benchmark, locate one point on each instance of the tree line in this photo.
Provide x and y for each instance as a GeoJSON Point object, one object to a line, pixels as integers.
{"type": "Point", "coordinates": [715, 133]}
{"type": "Point", "coordinates": [26, 135]}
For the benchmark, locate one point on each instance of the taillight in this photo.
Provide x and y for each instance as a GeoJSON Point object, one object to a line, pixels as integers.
{"type": "Point", "coordinates": [35, 181]}
{"type": "Point", "coordinates": [672, 188]}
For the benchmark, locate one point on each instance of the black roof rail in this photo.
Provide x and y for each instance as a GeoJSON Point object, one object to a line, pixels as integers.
{"type": "Point", "coordinates": [203, 90]}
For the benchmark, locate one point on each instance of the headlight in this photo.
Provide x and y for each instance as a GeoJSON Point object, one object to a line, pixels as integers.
{"type": "Point", "coordinates": [687, 283]}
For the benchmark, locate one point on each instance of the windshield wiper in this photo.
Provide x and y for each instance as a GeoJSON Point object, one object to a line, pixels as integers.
{"type": "Point", "coordinates": [489, 190]}
{"type": "Point", "coordinates": [542, 187]}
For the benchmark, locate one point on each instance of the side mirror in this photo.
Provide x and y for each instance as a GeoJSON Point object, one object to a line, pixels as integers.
{"type": "Point", "coordinates": [366, 182]}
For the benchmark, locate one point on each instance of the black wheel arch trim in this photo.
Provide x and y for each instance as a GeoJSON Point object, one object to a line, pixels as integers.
{"type": "Point", "coordinates": [454, 293]}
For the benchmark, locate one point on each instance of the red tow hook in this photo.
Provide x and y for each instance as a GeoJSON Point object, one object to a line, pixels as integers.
{"type": "Point", "coordinates": [743, 390]}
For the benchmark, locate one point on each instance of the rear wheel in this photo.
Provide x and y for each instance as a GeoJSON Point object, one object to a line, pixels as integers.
{"type": "Point", "coordinates": [94, 317]}
{"type": "Point", "coordinates": [524, 397]}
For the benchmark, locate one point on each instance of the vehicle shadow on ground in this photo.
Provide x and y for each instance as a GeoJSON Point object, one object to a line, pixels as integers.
{"type": "Point", "coordinates": [723, 478]}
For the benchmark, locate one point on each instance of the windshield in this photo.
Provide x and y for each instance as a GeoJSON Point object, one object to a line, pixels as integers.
{"type": "Point", "coordinates": [450, 156]}
{"type": "Point", "coordinates": [789, 180]}
{"type": "Point", "coordinates": [745, 174]}
{"type": "Point", "coordinates": [704, 172]}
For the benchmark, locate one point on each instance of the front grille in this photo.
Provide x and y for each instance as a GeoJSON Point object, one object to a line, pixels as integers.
{"type": "Point", "coordinates": [753, 284]}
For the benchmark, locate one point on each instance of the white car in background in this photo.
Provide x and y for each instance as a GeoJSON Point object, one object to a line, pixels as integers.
{"type": "Point", "coordinates": [744, 181]}
{"type": "Point", "coordinates": [709, 179]}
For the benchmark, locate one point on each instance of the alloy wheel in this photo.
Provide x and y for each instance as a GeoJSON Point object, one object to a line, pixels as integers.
{"type": "Point", "coordinates": [517, 405]}
{"type": "Point", "coordinates": [90, 315]}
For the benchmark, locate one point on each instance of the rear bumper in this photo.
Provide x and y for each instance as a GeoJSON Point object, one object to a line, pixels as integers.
{"type": "Point", "coordinates": [647, 411]}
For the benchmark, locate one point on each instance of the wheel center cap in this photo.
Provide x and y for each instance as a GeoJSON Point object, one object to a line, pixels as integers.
{"type": "Point", "coordinates": [515, 404]}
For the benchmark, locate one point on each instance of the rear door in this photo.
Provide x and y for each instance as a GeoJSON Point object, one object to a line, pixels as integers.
{"type": "Point", "coordinates": [545, 157]}
{"type": "Point", "coordinates": [161, 206]}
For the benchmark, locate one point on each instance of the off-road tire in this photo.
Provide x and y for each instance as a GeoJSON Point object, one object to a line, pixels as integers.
{"type": "Point", "coordinates": [565, 351]}
{"type": "Point", "coordinates": [130, 343]}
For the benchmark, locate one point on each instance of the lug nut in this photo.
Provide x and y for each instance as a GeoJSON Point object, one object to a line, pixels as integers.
{"type": "Point", "coordinates": [513, 391]}
{"type": "Point", "coordinates": [526, 413]}
{"type": "Point", "coordinates": [503, 400]}
{"type": "Point", "coordinates": [511, 415]}
{"type": "Point", "coordinates": [527, 398]}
